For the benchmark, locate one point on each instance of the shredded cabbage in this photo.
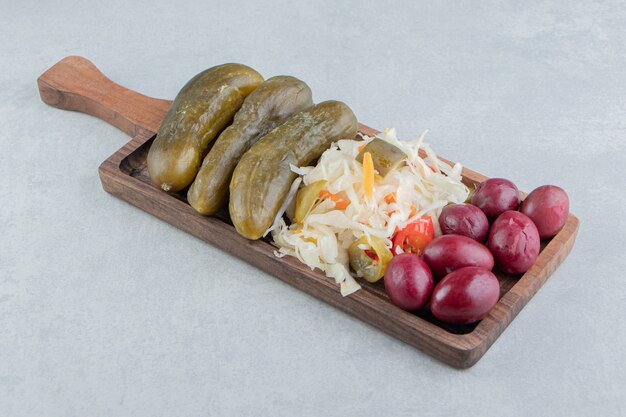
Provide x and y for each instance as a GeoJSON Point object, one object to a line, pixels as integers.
{"type": "Point", "coordinates": [422, 187]}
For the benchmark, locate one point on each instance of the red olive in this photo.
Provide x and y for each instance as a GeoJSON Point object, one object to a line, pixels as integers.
{"type": "Point", "coordinates": [449, 252]}
{"type": "Point", "coordinates": [514, 242]}
{"type": "Point", "coordinates": [548, 207]}
{"type": "Point", "coordinates": [465, 295]}
{"type": "Point", "coordinates": [408, 281]}
{"type": "Point", "coordinates": [466, 220]}
{"type": "Point", "coordinates": [495, 196]}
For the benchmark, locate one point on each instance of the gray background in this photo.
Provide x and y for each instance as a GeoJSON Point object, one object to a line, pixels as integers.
{"type": "Point", "coordinates": [105, 310]}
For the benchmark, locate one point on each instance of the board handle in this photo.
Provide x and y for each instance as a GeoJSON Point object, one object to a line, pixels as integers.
{"type": "Point", "coordinates": [75, 83]}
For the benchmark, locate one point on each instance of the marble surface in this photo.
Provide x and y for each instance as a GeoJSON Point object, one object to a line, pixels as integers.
{"type": "Point", "coordinates": [107, 311]}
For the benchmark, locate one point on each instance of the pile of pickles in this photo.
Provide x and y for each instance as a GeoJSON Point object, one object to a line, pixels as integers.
{"type": "Point", "coordinates": [230, 138]}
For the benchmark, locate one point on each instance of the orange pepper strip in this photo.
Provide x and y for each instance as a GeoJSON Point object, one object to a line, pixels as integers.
{"type": "Point", "coordinates": [368, 175]}
{"type": "Point", "coordinates": [340, 202]}
{"type": "Point", "coordinates": [391, 198]}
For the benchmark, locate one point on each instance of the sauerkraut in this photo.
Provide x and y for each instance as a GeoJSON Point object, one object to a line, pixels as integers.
{"type": "Point", "coordinates": [421, 187]}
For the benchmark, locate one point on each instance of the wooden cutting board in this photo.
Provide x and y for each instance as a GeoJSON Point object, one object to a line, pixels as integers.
{"type": "Point", "coordinates": [74, 83]}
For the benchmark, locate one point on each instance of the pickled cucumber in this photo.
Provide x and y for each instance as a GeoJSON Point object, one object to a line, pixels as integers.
{"type": "Point", "coordinates": [263, 177]}
{"type": "Point", "coordinates": [201, 110]}
{"type": "Point", "coordinates": [306, 199]}
{"type": "Point", "coordinates": [273, 102]}
{"type": "Point", "coordinates": [385, 156]}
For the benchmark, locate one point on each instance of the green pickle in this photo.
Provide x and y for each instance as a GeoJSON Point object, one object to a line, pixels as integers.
{"type": "Point", "coordinates": [267, 107]}
{"type": "Point", "coordinates": [201, 110]}
{"type": "Point", "coordinates": [369, 257]}
{"type": "Point", "coordinates": [263, 177]}
{"type": "Point", "coordinates": [385, 156]}
{"type": "Point", "coordinates": [306, 198]}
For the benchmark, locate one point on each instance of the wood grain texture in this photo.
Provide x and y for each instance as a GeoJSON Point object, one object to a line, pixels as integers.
{"type": "Point", "coordinates": [124, 175]}
{"type": "Point", "coordinates": [74, 83]}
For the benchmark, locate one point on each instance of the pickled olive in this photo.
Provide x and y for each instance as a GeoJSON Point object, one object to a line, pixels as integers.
{"type": "Point", "coordinates": [514, 242]}
{"type": "Point", "coordinates": [263, 177]}
{"type": "Point", "coordinates": [275, 100]}
{"type": "Point", "coordinates": [495, 196]}
{"type": "Point", "coordinates": [408, 281]}
{"type": "Point", "coordinates": [369, 257]}
{"type": "Point", "coordinates": [306, 198]}
{"type": "Point", "coordinates": [386, 157]}
{"type": "Point", "coordinates": [465, 295]}
{"type": "Point", "coordinates": [548, 207]}
{"type": "Point", "coordinates": [464, 219]}
{"type": "Point", "coordinates": [450, 252]}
